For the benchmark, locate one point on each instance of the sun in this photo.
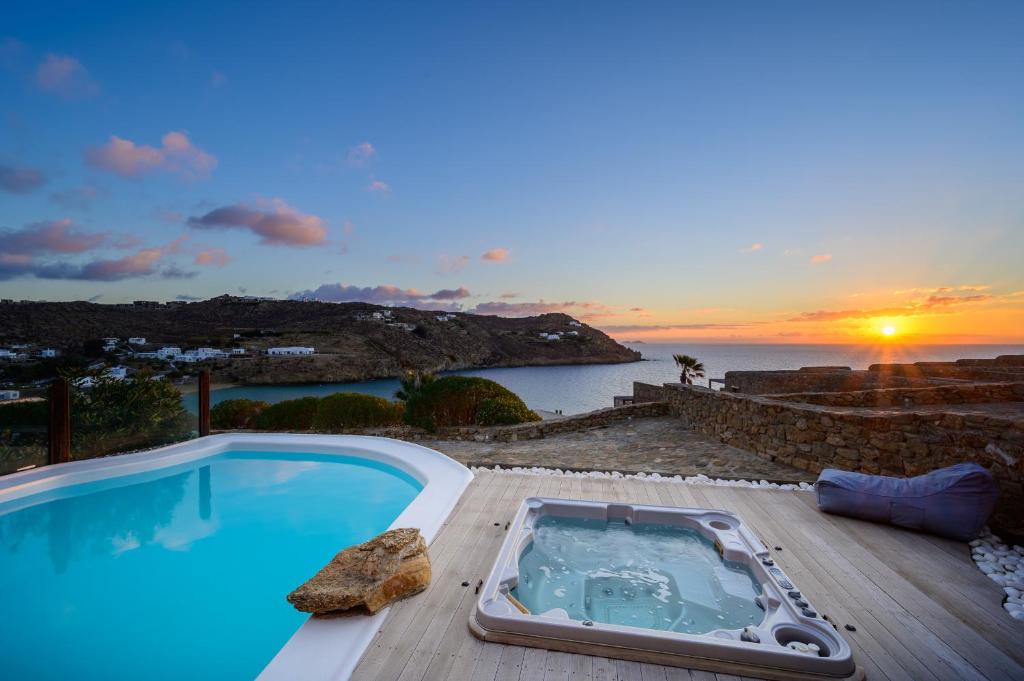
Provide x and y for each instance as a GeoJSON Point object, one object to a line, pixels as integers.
{"type": "Point", "coordinates": [888, 331]}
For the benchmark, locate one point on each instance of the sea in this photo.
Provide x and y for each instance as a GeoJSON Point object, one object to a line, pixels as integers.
{"type": "Point", "coordinates": [574, 389]}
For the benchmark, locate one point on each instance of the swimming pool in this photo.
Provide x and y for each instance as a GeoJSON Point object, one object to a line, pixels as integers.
{"type": "Point", "coordinates": [176, 563]}
{"type": "Point", "coordinates": [687, 587]}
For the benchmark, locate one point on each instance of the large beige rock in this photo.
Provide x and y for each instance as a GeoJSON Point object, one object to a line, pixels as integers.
{"type": "Point", "coordinates": [389, 567]}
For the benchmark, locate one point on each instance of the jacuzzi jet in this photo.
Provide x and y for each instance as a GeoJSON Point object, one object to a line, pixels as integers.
{"type": "Point", "coordinates": [650, 583]}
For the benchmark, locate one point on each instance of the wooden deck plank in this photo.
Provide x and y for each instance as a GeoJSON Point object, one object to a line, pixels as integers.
{"type": "Point", "coordinates": [887, 582]}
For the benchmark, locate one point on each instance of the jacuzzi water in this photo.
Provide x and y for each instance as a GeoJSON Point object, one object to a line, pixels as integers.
{"type": "Point", "coordinates": [641, 575]}
{"type": "Point", "coordinates": [181, 572]}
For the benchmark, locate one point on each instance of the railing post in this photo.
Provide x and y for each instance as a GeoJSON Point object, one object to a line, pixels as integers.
{"type": "Point", "coordinates": [60, 421]}
{"type": "Point", "coordinates": [204, 402]}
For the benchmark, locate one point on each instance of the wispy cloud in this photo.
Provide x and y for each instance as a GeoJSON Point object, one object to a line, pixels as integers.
{"type": "Point", "coordinates": [495, 255]}
{"type": "Point", "coordinates": [20, 180]}
{"type": "Point", "coordinates": [49, 237]}
{"type": "Point", "coordinates": [361, 154]}
{"type": "Point", "coordinates": [822, 258]}
{"type": "Point", "coordinates": [215, 257]}
{"type": "Point", "coordinates": [582, 310]}
{"type": "Point", "coordinates": [176, 154]}
{"type": "Point", "coordinates": [934, 304]}
{"type": "Point", "coordinates": [277, 223]}
{"type": "Point", "coordinates": [452, 263]}
{"type": "Point", "coordinates": [76, 198]}
{"type": "Point", "coordinates": [378, 187]}
{"type": "Point", "coordinates": [638, 328]}
{"type": "Point", "coordinates": [752, 248]}
{"type": "Point", "coordinates": [65, 77]}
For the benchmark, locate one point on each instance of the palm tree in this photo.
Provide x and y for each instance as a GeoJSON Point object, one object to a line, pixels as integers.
{"type": "Point", "coordinates": [691, 368]}
{"type": "Point", "coordinates": [411, 383]}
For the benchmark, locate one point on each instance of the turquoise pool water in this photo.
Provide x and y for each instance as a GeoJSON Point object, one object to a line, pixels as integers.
{"type": "Point", "coordinates": [639, 575]}
{"type": "Point", "coordinates": [180, 573]}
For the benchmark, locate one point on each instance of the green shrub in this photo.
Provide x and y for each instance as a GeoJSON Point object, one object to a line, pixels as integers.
{"type": "Point", "coordinates": [504, 411]}
{"type": "Point", "coordinates": [237, 414]}
{"type": "Point", "coordinates": [356, 410]}
{"type": "Point", "coordinates": [456, 401]}
{"type": "Point", "coordinates": [289, 415]}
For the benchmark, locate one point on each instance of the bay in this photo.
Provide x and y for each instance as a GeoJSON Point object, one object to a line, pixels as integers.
{"type": "Point", "coordinates": [575, 389]}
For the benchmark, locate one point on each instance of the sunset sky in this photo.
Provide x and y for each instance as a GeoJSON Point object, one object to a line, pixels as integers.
{"type": "Point", "coordinates": [770, 172]}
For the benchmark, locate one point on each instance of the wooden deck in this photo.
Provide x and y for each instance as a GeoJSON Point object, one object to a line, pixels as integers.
{"type": "Point", "coordinates": [921, 609]}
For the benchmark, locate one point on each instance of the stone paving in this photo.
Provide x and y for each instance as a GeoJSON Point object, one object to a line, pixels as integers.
{"type": "Point", "coordinates": [650, 445]}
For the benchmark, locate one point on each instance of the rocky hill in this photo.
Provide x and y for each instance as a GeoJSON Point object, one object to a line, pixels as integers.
{"type": "Point", "coordinates": [350, 343]}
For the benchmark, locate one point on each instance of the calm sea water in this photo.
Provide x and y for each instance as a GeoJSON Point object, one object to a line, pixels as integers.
{"type": "Point", "coordinates": [576, 389]}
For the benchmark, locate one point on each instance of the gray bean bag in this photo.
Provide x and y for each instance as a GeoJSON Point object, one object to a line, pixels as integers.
{"type": "Point", "coordinates": [952, 502]}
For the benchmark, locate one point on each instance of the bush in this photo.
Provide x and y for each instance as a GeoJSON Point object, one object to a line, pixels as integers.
{"type": "Point", "coordinates": [289, 415]}
{"type": "Point", "coordinates": [14, 414]}
{"type": "Point", "coordinates": [356, 410]}
{"type": "Point", "coordinates": [237, 414]}
{"type": "Point", "coordinates": [457, 401]}
{"type": "Point", "coordinates": [503, 411]}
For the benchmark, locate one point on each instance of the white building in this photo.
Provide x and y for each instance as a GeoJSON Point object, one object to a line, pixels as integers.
{"type": "Point", "coordinates": [136, 340]}
{"type": "Point", "coordinates": [292, 350]}
{"type": "Point", "coordinates": [47, 353]}
{"type": "Point", "coordinates": [572, 333]}
{"type": "Point", "coordinates": [444, 317]}
{"type": "Point", "coordinates": [574, 323]}
{"type": "Point", "coordinates": [146, 355]}
{"type": "Point", "coordinates": [237, 351]}
{"type": "Point", "coordinates": [7, 354]}
{"type": "Point", "coordinates": [109, 344]}
{"type": "Point", "coordinates": [9, 395]}
{"type": "Point", "coordinates": [551, 336]}
{"type": "Point", "coordinates": [117, 373]}
{"type": "Point", "coordinates": [168, 351]}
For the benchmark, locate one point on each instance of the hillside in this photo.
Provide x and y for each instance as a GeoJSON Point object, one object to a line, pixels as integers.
{"type": "Point", "coordinates": [349, 345]}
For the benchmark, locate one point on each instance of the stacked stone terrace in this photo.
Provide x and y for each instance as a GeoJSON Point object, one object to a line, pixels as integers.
{"type": "Point", "coordinates": [892, 419]}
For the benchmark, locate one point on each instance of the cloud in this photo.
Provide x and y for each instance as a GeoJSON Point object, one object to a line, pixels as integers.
{"type": "Point", "coordinates": [378, 187]}
{"type": "Point", "coordinates": [140, 264]}
{"type": "Point", "coordinates": [65, 77]}
{"type": "Point", "coordinates": [49, 236]}
{"type": "Point", "coordinates": [214, 257]}
{"type": "Point", "coordinates": [931, 305]}
{"type": "Point", "coordinates": [819, 259]}
{"type": "Point", "coordinates": [187, 298]}
{"type": "Point", "coordinates": [79, 198]}
{"type": "Point", "coordinates": [384, 295]}
{"type": "Point", "coordinates": [277, 223]}
{"type": "Point", "coordinates": [637, 328]}
{"type": "Point", "coordinates": [218, 79]}
{"type": "Point", "coordinates": [452, 263]}
{"type": "Point", "coordinates": [361, 154]}
{"type": "Point", "coordinates": [752, 248]}
{"type": "Point", "coordinates": [20, 180]}
{"type": "Point", "coordinates": [583, 310]}
{"type": "Point", "coordinates": [176, 154]}
{"type": "Point", "coordinates": [508, 295]}
{"type": "Point", "coordinates": [495, 255]}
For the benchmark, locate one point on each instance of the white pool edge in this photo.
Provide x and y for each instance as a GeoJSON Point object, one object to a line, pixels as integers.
{"type": "Point", "coordinates": [319, 650]}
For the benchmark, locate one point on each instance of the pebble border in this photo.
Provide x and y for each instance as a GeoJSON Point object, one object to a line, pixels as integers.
{"type": "Point", "coordinates": [699, 479]}
{"type": "Point", "coordinates": [1004, 565]}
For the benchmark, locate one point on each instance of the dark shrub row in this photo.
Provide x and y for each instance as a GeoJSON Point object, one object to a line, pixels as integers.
{"type": "Point", "coordinates": [332, 413]}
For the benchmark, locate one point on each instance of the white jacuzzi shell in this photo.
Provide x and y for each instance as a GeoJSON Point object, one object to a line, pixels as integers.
{"type": "Point", "coordinates": [496, 618]}
{"type": "Point", "coordinates": [320, 649]}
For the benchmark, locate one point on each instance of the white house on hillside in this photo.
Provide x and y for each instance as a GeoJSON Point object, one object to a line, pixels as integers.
{"type": "Point", "coordinates": [168, 352]}
{"type": "Point", "coordinates": [291, 350]}
{"type": "Point", "coordinates": [574, 323]}
{"type": "Point", "coordinates": [47, 353]}
{"type": "Point", "coordinates": [136, 340]}
{"type": "Point", "coordinates": [9, 395]}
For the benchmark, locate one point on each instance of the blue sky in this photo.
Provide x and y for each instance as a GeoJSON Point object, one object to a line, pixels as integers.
{"type": "Point", "coordinates": [659, 169]}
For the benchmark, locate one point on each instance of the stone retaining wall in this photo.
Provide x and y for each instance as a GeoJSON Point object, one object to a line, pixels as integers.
{"type": "Point", "coordinates": [899, 443]}
{"type": "Point", "coordinates": [816, 380]}
{"type": "Point", "coordinates": [957, 393]}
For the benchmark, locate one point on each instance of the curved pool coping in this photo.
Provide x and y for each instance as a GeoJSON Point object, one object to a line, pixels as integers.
{"type": "Point", "coordinates": [320, 648]}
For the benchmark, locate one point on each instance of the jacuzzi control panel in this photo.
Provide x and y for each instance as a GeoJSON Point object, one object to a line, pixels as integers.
{"type": "Point", "coordinates": [780, 578]}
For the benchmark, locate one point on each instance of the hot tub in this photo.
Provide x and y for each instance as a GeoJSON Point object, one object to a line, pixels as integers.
{"type": "Point", "coordinates": [686, 587]}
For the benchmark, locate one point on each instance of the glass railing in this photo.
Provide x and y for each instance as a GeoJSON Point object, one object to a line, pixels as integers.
{"type": "Point", "coordinates": [85, 416]}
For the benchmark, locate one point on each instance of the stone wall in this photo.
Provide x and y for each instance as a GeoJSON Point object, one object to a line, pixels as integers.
{"type": "Point", "coordinates": [957, 393]}
{"type": "Point", "coordinates": [1005, 368]}
{"type": "Point", "coordinates": [899, 443]}
{"type": "Point", "coordinates": [815, 379]}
